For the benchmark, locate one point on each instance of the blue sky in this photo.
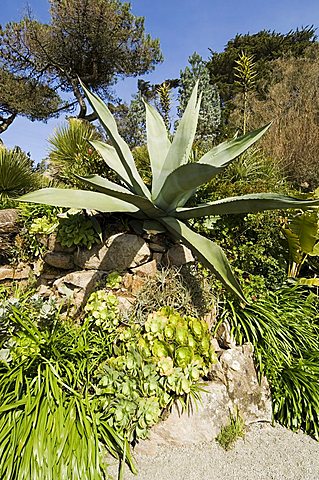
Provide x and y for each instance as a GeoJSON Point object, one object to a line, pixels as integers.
{"type": "Point", "coordinates": [183, 26]}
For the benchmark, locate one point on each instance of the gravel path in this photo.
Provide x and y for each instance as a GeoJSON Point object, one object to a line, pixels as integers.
{"type": "Point", "coordinates": [266, 453]}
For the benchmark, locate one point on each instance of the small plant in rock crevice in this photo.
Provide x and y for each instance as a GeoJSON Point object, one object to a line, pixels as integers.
{"type": "Point", "coordinates": [231, 432]}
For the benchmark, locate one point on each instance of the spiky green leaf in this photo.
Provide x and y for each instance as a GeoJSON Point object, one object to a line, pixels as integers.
{"type": "Point", "coordinates": [180, 148]}
{"type": "Point", "coordinates": [223, 154]}
{"type": "Point", "coordinates": [158, 143]}
{"type": "Point", "coordinates": [109, 188]}
{"type": "Point", "coordinates": [78, 199]}
{"type": "Point", "coordinates": [255, 202]}
{"type": "Point", "coordinates": [208, 252]}
{"type": "Point", "coordinates": [121, 147]}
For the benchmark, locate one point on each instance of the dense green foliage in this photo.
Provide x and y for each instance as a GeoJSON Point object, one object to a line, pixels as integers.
{"type": "Point", "coordinates": [97, 40]}
{"type": "Point", "coordinates": [70, 152]}
{"type": "Point", "coordinates": [78, 229]}
{"type": "Point", "coordinates": [283, 326]}
{"type": "Point", "coordinates": [50, 423]}
{"type": "Point", "coordinates": [25, 96]}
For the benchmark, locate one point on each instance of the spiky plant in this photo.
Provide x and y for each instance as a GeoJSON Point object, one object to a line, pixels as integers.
{"type": "Point", "coordinates": [245, 74]}
{"type": "Point", "coordinates": [175, 180]}
{"type": "Point", "coordinates": [16, 174]}
{"type": "Point", "coordinates": [70, 151]}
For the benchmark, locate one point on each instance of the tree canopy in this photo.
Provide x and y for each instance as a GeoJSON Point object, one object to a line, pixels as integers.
{"type": "Point", "coordinates": [27, 97]}
{"type": "Point", "coordinates": [98, 41]}
{"type": "Point", "coordinates": [264, 47]}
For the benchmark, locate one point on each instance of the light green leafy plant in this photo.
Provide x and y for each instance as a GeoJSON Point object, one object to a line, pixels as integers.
{"type": "Point", "coordinates": [102, 309]}
{"type": "Point", "coordinates": [175, 180]}
{"type": "Point", "coordinates": [151, 369]}
{"type": "Point", "coordinates": [78, 229]}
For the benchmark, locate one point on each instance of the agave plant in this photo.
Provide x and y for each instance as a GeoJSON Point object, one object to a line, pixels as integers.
{"type": "Point", "coordinates": [174, 180]}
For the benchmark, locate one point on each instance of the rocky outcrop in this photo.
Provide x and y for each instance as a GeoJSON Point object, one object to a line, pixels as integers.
{"type": "Point", "coordinates": [233, 385]}
{"type": "Point", "coordinates": [120, 252]}
{"type": "Point", "coordinates": [179, 255]}
{"type": "Point", "coordinates": [77, 286]}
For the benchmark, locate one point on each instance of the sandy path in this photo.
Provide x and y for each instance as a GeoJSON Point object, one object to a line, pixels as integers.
{"type": "Point", "coordinates": [266, 453]}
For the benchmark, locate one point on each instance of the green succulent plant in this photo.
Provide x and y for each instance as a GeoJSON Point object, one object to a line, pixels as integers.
{"type": "Point", "coordinates": [174, 180]}
{"type": "Point", "coordinates": [102, 309]}
{"type": "Point", "coordinates": [77, 229]}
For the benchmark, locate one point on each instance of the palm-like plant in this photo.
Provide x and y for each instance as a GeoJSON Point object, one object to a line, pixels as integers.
{"type": "Point", "coordinates": [16, 174]}
{"type": "Point", "coordinates": [175, 180]}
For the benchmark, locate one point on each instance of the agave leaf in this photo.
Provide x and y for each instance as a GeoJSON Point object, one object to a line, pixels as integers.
{"type": "Point", "coordinates": [180, 148]}
{"type": "Point", "coordinates": [208, 252]}
{"type": "Point", "coordinates": [180, 185]}
{"type": "Point", "coordinates": [111, 158]}
{"type": "Point", "coordinates": [223, 154]}
{"type": "Point", "coordinates": [78, 199]}
{"type": "Point", "coordinates": [255, 202]}
{"type": "Point", "coordinates": [158, 143]}
{"type": "Point", "coordinates": [121, 147]}
{"type": "Point", "coordinates": [116, 191]}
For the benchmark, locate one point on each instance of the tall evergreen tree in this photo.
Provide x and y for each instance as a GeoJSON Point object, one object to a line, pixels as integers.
{"type": "Point", "coordinates": [98, 41]}
{"type": "Point", "coordinates": [210, 112]}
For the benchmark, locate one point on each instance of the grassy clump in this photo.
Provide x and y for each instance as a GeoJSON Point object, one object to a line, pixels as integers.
{"type": "Point", "coordinates": [231, 432]}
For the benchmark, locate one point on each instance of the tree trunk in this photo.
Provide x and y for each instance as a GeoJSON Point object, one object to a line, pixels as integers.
{"type": "Point", "coordinates": [6, 122]}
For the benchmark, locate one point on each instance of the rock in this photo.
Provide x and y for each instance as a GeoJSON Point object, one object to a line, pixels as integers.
{"type": "Point", "coordinates": [158, 258]}
{"type": "Point", "coordinates": [148, 269]}
{"type": "Point", "coordinates": [215, 344]}
{"type": "Point", "coordinates": [119, 252]}
{"type": "Point", "coordinates": [156, 247]}
{"type": "Point", "coordinates": [125, 304]}
{"type": "Point", "coordinates": [63, 261]}
{"type": "Point", "coordinates": [44, 291]}
{"type": "Point", "coordinates": [202, 425]}
{"type": "Point", "coordinates": [78, 285]}
{"type": "Point", "coordinates": [224, 336]}
{"type": "Point", "coordinates": [55, 246]}
{"type": "Point", "coordinates": [9, 221]}
{"type": "Point", "coordinates": [252, 398]}
{"type": "Point", "coordinates": [18, 273]}
{"type": "Point", "coordinates": [179, 255]}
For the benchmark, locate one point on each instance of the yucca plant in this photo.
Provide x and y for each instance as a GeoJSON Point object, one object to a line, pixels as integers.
{"type": "Point", "coordinates": [175, 180]}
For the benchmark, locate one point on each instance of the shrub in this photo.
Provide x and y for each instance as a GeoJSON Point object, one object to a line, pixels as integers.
{"type": "Point", "coordinates": [284, 329]}
{"type": "Point", "coordinates": [72, 153]}
{"type": "Point", "coordinates": [16, 175]}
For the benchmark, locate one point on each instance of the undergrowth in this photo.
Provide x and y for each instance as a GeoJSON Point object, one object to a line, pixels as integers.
{"type": "Point", "coordinates": [283, 326]}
